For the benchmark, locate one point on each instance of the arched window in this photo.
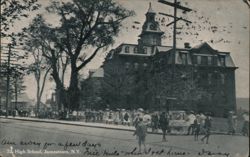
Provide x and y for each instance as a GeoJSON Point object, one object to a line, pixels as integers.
{"type": "Point", "coordinates": [135, 50]}
{"type": "Point", "coordinates": [127, 49]}
{"type": "Point", "coordinates": [222, 78]}
{"type": "Point", "coordinates": [127, 65]}
{"type": "Point", "coordinates": [154, 41]}
{"type": "Point", "coordinates": [136, 65]}
{"type": "Point", "coordinates": [209, 78]}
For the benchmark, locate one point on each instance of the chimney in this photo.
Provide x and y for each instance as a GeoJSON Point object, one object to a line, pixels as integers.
{"type": "Point", "coordinates": [187, 45]}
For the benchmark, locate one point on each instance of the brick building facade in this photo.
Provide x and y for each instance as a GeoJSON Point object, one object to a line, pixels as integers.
{"type": "Point", "coordinates": [148, 75]}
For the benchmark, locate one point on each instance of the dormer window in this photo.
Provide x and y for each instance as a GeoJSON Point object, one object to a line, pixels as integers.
{"type": "Point", "coordinates": [209, 60]}
{"type": "Point", "coordinates": [222, 59]}
{"type": "Point", "coordinates": [135, 50]}
{"type": "Point", "coordinates": [198, 59]}
{"type": "Point", "coordinates": [184, 58]}
{"type": "Point", "coordinates": [204, 60]}
{"type": "Point", "coordinates": [127, 49]}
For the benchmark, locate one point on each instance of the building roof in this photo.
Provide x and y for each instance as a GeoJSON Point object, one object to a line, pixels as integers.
{"type": "Point", "coordinates": [201, 45]}
{"type": "Point", "coordinates": [203, 49]}
{"type": "Point", "coordinates": [145, 48]}
{"type": "Point", "coordinates": [163, 48]}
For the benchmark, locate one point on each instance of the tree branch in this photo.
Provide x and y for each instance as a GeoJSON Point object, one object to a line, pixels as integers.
{"type": "Point", "coordinates": [78, 49]}
{"type": "Point", "coordinates": [67, 34]}
{"type": "Point", "coordinates": [90, 58]}
{"type": "Point", "coordinates": [44, 82]}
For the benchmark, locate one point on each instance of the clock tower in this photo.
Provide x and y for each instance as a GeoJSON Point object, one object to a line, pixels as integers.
{"type": "Point", "coordinates": [151, 33]}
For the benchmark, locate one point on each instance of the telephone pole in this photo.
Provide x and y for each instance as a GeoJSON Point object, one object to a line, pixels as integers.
{"type": "Point", "coordinates": [176, 6]}
{"type": "Point", "coordinates": [8, 82]}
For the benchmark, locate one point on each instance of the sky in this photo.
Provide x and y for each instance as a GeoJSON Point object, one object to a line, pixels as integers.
{"type": "Point", "coordinates": [224, 24]}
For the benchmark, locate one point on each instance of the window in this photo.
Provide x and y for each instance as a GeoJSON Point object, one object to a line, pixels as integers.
{"type": "Point", "coordinates": [194, 59]}
{"type": "Point", "coordinates": [154, 41]}
{"type": "Point", "coordinates": [210, 78]}
{"type": "Point", "coordinates": [145, 50]}
{"type": "Point", "coordinates": [135, 50]}
{"type": "Point", "coordinates": [209, 60]}
{"type": "Point", "coordinates": [222, 60]}
{"type": "Point", "coordinates": [204, 60]}
{"type": "Point", "coordinates": [222, 78]}
{"type": "Point", "coordinates": [136, 65]}
{"type": "Point", "coordinates": [215, 78]}
{"type": "Point", "coordinates": [184, 58]}
{"type": "Point", "coordinates": [198, 59]}
{"type": "Point", "coordinates": [153, 27]}
{"type": "Point", "coordinates": [204, 78]}
{"type": "Point", "coordinates": [215, 61]}
{"type": "Point", "coordinates": [127, 65]}
{"type": "Point", "coordinates": [127, 49]}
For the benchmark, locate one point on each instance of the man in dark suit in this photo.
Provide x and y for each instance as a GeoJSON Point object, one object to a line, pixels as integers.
{"type": "Point", "coordinates": [164, 124]}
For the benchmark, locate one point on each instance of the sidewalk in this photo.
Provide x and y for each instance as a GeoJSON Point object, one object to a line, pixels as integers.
{"type": "Point", "coordinates": [76, 123]}
{"type": "Point", "coordinates": [94, 125]}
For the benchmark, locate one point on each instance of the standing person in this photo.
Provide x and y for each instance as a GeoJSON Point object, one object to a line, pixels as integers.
{"type": "Point", "coordinates": [245, 128]}
{"type": "Point", "coordinates": [164, 122]}
{"type": "Point", "coordinates": [155, 121]}
{"type": "Point", "coordinates": [207, 126]}
{"type": "Point", "coordinates": [196, 127]}
{"type": "Point", "coordinates": [126, 119]}
{"type": "Point", "coordinates": [202, 123]}
{"type": "Point", "coordinates": [136, 120]}
{"type": "Point", "coordinates": [147, 118]}
{"type": "Point", "coordinates": [190, 121]}
{"type": "Point", "coordinates": [231, 123]}
{"type": "Point", "coordinates": [141, 132]}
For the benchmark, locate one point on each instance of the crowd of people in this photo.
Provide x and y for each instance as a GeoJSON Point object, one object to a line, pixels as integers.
{"type": "Point", "coordinates": [195, 123]}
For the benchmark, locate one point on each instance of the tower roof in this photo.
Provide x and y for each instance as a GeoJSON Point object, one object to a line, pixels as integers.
{"type": "Point", "coordinates": [150, 10]}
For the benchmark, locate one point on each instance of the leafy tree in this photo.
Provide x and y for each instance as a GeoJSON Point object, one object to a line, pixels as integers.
{"type": "Point", "coordinates": [38, 39]}
{"type": "Point", "coordinates": [13, 10]}
{"type": "Point", "coordinates": [39, 68]}
{"type": "Point", "coordinates": [85, 28]}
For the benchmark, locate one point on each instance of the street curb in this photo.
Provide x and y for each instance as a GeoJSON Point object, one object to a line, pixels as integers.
{"type": "Point", "coordinates": [34, 120]}
{"type": "Point", "coordinates": [101, 127]}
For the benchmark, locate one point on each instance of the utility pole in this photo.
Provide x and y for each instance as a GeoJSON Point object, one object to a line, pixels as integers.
{"type": "Point", "coordinates": [16, 92]}
{"type": "Point", "coordinates": [8, 82]}
{"type": "Point", "coordinates": [176, 6]}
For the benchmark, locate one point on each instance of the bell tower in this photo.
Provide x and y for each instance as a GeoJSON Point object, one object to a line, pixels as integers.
{"type": "Point", "coordinates": [151, 33]}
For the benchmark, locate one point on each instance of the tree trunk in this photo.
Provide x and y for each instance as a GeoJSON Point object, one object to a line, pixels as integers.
{"type": "Point", "coordinates": [73, 91]}
{"type": "Point", "coordinates": [60, 91]}
{"type": "Point", "coordinates": [38, 98]}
